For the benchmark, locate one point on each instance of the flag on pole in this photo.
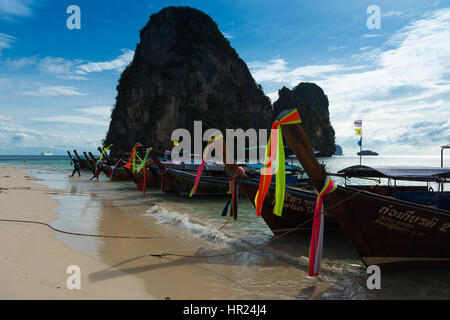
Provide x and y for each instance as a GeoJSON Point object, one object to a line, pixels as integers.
{"type": "Point", "coordinates": [360, 142]}
{"type": "Point", "coordinates": [358, 131]}
{"type": "Point", "coordinates": [358, 123]}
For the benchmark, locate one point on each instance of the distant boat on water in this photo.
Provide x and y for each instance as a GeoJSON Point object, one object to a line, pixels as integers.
{"type": "Point", "coordinates": [46, 154]}
{"type": "Point", "coordinates": [367, 153]}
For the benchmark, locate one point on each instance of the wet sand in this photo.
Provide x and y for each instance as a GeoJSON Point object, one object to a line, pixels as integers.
{"type": "Point", "coordinates": [33, 263]}
{"type": "Point", "coordinates": [34, 258]}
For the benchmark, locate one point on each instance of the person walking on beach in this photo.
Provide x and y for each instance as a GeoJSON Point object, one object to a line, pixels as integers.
{"type": "Point", "coordinates": [76, 167]}
{"type": "Point", "coordinates": [98, 167]}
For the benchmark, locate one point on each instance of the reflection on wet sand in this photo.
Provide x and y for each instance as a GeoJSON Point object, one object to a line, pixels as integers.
{"type": "Point", "coordinates": [245, 275]}
{"type": "Point", "coordinates": [278, 271]}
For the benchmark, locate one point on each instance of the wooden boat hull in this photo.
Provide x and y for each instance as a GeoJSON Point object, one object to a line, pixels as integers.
{"type": "Point", "coordinates": [184, 181]}
{"type": "Point", "coordinates": [298, 208]}
{"type": "Point", "coordinates": [84, 164]}
{"type": "Point", "coordinates": [386, 231]}
{"type": "Point", "coordinates": [391, 231]}
{"type": "Point", "coordinates": [119, 174]}
{"type": "Point", "coordinates": [151, 179]}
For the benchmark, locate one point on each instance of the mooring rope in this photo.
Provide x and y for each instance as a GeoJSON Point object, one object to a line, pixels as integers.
{"type": "Point", "coordinates": [164, 254]}
{"type": "Point", "coordinates": [226, 222]}
{"type": "Point", "coordinates": [81, 234]}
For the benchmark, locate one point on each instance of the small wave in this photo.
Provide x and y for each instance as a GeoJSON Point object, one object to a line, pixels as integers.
{"type": "Point", "coordinates": [181, 220]}
{"type": "Point", "coordinates": [199, 230]}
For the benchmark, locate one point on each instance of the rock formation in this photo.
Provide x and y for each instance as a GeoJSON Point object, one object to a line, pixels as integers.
{"type": "Point", "coordinates": [312, 105]}
{"type": "Point", "coordinates": [183, 69]}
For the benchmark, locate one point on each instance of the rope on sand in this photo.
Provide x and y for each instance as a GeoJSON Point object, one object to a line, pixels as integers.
{"type": "Point", "coordinates": [82, 234]}
{"type": "Point", "coordinates": [164, 254]}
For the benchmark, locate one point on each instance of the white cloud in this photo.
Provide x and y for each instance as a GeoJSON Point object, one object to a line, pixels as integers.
{"type": "Point", "coordinates": [97, 115]}
{"type": "Point", "coordinates": [401, 83]}
{"type": "Point", "coordinates": [117, 64]}
{"type": "Point", "coordinates": [60, 67]}
{"type": "Point", "coordinates": [54, 91]}
{"type": "Point", "coordinates": [100, 111]}
{"type": "Point", "coordinates": [228, 35]}
{"type": "Point", "coordinates": [334, 48]}
{"type": "Point", "coordinates": [392, 13]}
{"type": "Point", "coordinates": [277, 71]}
{"type": "Point", "coordinates": [5, 40]}
{"type": "Point", "coordinates": [372, 35]}
{"type": "Point", "coordinates": [16, 138]}
{"type": "Point", "coordinates": [72, 120]}
{"type": "Point", "coordinates": [64, 68]}
{"type": "Point", "coordinates": [273, 96]}
{"type": "Point", "coordinates": [17, 63]}
{"type": "Point", "coordinates": [19, 8]}
{"type": "Point", "coordinates": [55, 65]}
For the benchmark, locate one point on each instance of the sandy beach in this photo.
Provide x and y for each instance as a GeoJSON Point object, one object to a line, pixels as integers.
{"type": "Point", "coordinates": [34, 260]}
{"type": "Point", "coordinates": [33, 263]}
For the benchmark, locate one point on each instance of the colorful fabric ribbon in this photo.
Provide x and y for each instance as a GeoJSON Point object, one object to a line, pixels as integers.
{"type": "Point", "coordinates": [315, 248]}
{"type": "Point", "coordinates": [104, 150]}
{"type": "Point", "coordinates": [109, 175]}
{"type": "Point", "coordinates": [202, 164]}
{"type": "Point", "coordinates": [143, 185]}
{"type": "Point", "coordinates": [163, 180]}
{"type": "Point", "coordinates": [275, 151]}
{"type": "Point", "coordinates": [132, 160]}
{"type": "Point", "coordinates": [234, 197]}
{"type": "Point", "coordinates": [98, 169]}
{"type": "Point", "coordinates": [143, 161]}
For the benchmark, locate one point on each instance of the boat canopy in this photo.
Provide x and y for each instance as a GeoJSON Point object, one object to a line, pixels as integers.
{"type": "Point", "coordinates": [397, 173]}
{"type": "Point", "coordinates": [260, 165]}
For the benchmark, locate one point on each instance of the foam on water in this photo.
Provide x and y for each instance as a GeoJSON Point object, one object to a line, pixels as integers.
{"type": "Point", "coordinates": [164, 216]}
{"type": "Point", "coordinates": [200, 230]}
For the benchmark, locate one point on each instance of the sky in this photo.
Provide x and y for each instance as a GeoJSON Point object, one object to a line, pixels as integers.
{"type": "Point", "coordinates": [58, 85]}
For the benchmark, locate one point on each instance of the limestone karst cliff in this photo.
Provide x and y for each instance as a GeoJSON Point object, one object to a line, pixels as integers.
{"type": "Point", "coordinates": [183, 69]}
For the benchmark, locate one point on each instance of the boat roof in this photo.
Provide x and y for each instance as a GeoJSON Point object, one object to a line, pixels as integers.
{"type": "Point", "coordinates": [398, 173]}
{"type": "Point", "coordinates": [293, 156]}
{"type": "Point", "coordinates": [260, 165]}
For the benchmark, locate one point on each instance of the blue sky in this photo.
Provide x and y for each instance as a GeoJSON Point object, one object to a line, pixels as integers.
{"type": "Point", "coordinates": [57, 86]}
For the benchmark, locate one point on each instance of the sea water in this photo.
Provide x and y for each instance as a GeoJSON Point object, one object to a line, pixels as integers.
{"type": "Point", "coordinates": [276, 271]}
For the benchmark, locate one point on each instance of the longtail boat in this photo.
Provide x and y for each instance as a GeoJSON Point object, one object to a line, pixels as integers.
{"type": "Point", "coordinates": [184, 180]}
{"type": "Point", "coordinates": [298, 205]}
{"type": "Point", "coordinates": [214, 179]}
{"type": "Point", "coordinates": [119, 174]}
{"type": "Point", "coordinates": [94, 159]}
{"type": "Point", "coordinates": [90, 162]}
{"type": "Point", "coordinates": [385, 229]}
{"type": "Point", "coordinates": [70, 156]}
{"type": "Point", "coordinates": [83, 162]}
